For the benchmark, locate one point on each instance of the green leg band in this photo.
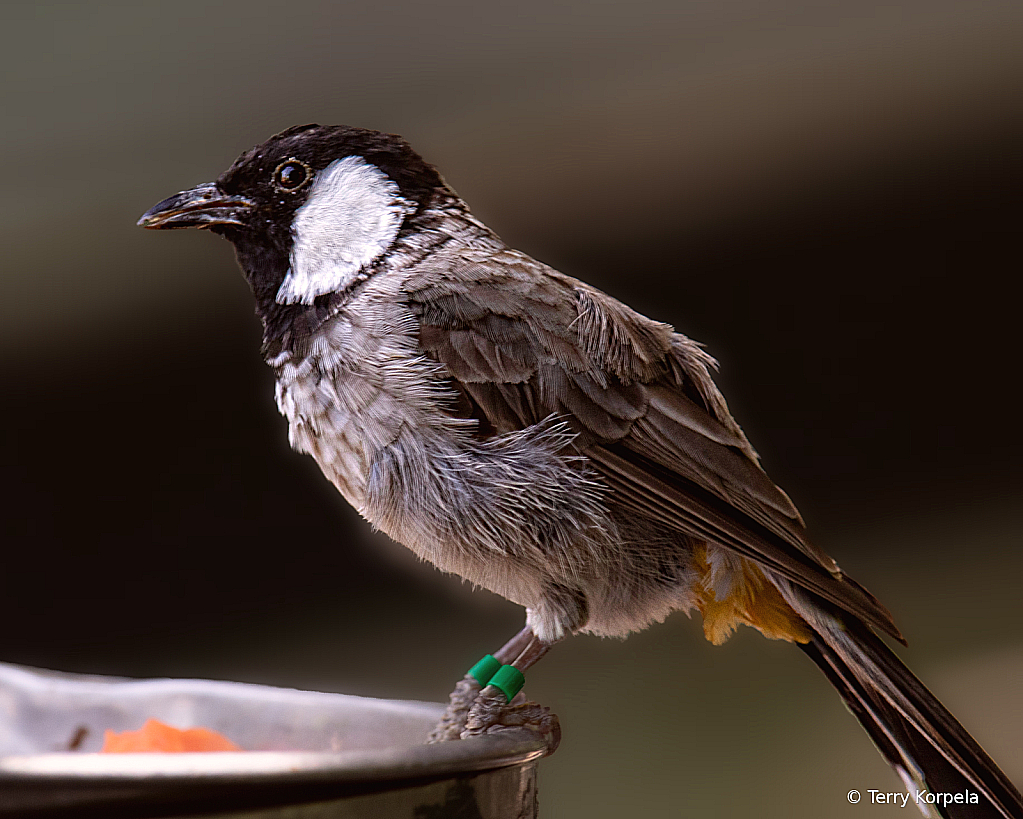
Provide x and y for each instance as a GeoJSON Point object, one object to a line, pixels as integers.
{"type": "Point", "coordinates": [509, 679]}
{"type": "Point", "coordinates": [485, 669]}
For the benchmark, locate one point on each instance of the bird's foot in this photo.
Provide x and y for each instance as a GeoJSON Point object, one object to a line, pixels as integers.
{"type": "Point", "coordinates": [487, 699]}
{"type": "Point", "coordinates": [474, 710]}
{"type": "Point", "coordinates": [453, 722]}
{"type": "Point", "coordinates": [492, 713]}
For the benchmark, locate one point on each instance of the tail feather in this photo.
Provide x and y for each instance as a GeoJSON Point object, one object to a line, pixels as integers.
{"type": "Point", "coordinates": [914, 732]}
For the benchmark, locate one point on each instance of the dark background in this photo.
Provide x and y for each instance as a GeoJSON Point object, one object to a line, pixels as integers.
{"type": "Point", "coordinates": [825, 194]}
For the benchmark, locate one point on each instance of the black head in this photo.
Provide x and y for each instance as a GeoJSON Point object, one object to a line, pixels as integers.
{"type": "Point", "coordinates": [279, 174]}
{"type": "Point", "coordinates": [310, 209]}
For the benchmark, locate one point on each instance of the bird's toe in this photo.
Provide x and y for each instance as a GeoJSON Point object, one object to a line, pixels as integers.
{"type": "Point", "coordinates": [452, 724]}
{"type": "Point", "coordinates": [492, 713]}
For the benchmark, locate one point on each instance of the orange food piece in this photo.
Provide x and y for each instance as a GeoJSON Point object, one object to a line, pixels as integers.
{"type": "Point", "coordinates": [157, 737]}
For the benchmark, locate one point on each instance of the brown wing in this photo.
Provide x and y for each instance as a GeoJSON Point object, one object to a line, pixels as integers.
{"type": "Point", "coordinates": [522, 342]}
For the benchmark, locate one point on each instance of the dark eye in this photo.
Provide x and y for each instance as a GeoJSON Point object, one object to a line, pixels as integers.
{"type": "Point", "coordinates": [292, 174]}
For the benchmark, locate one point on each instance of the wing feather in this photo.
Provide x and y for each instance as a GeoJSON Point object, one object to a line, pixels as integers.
{"type": "Point", "coordinates": [524, 342]}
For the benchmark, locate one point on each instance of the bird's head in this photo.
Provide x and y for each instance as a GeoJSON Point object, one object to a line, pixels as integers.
{"type": "Point", "coordinates": [311, 210]}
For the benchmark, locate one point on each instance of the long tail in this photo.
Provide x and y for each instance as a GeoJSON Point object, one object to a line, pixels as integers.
{"type": "Point", "coordinates": [916, 734]}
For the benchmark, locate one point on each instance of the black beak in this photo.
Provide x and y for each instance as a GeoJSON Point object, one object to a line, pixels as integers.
{"type": "Point", "coordinates": [201, 207]}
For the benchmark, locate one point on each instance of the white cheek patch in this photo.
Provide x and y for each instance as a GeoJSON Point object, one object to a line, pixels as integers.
{"type": "Point", "coordinates": [352, 215]}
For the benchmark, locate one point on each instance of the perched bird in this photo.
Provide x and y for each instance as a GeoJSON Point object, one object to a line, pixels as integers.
{"type": "Point", "coordinates": [537, 437]}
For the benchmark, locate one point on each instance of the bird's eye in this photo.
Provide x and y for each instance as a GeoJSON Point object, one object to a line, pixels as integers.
{"type": "Point", "coordinates": [292, 174]}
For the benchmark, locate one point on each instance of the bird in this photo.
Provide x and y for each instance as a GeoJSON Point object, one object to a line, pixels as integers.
{"type": "Point", "coordinates": [527, 432]}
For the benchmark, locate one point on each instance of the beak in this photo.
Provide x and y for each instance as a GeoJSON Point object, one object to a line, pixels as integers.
{"type": "Point", "coordinates": [201, 207]}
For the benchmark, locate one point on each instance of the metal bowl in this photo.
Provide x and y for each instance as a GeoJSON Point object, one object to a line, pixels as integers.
{"type": "Point", "coordinates": [308, 755]}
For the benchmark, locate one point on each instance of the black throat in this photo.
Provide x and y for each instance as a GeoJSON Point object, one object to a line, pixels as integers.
{"type": "Point", "coordinates": [285, 326]}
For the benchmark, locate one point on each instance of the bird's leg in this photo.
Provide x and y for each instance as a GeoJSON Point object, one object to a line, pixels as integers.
{"type": "Point", "coordinates": [510, 651]}
{"type": "Point", "coordinates": [532, 649]}
{"type": "Point", "coordinates": [492, 712]}
{"type": "Point", "coordinates": [468, 688]}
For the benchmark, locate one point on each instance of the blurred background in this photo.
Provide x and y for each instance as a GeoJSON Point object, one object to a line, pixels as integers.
{"type": "Point", "coordinates": [827, 194]}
